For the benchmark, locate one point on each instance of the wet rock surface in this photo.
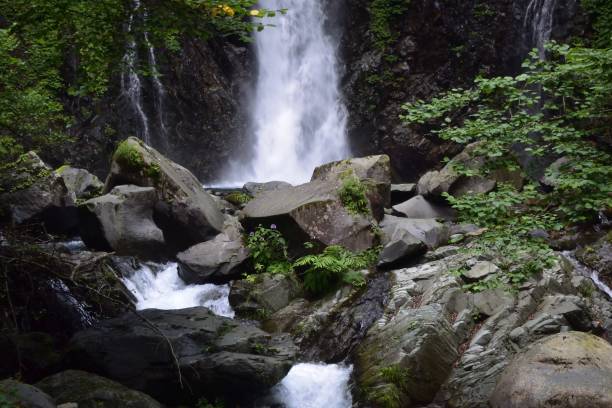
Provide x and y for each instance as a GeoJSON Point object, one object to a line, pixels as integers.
{"type": "Point", "coordinates": [217, 357]}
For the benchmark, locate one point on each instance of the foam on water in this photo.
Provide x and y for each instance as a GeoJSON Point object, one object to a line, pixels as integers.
{"type": "Point", "coordinates": [158, 286]}
{"type": "Point", "coordinates": [315, 386]}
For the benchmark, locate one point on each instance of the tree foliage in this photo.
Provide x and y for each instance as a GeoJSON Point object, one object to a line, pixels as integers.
{"type": "Point", "coordinates": [51, 49]}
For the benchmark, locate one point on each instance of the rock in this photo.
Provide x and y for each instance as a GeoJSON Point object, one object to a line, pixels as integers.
{"type": "Point", "coordinates": [218, 356]}
{"type": "Point", "coordinates": [402, 192]}
{"type": "Point", "coordinates": [480, 270]}
{"type": "Point", "coordinates": [32, 355]}
{"type": "Point", "coordinates": [122, 221]}
{"type": "Point", "coordinates": [571, 369]}
{"type": "Point", "coordinates": [88, 390]}
{"type": "Point", "coordinates": [402, 246]}
{"type": "Point", "coordinates": [429, 231]}
{"type": "Point", "coordinates": [472, 185]}
{"type": "Point", "coordinates": [376, 168]}
{"type": "Point", "coordinates": [491, 301]}
{"type": "Point", "coordinates": [185, 212]}
{"type": "Point", "coordinates": [310, 212]}
{"type": "Point", "coordinates": [219, 260]}
{"type": "Point", "coordinates": [553, 172]}
{"type": "Point", "coordinates": [598, 256]}
{"type": "Point", "coordinates": [16, 394]}
{"type": "Point", "coordinates": [374, 172]}
{"type": "Point", "coordinates": [268, 295]}
{"type": "Point", "coordinates": [31, 192]}
{"type": "Point", "coordinates": [572, 308]}
{"type": "Point", "coordinates": [419, 207]}
{"type": "Point", "coordinates": [407, 359]}
{"type": "Point", "coordinates": [256, 188]}
{"type": "Point", "coordinates": [82, 183]}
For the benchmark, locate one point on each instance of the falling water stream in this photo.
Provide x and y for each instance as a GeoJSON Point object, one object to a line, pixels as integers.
{"type": "Point", "coordinates": [297, 114]}
{"type": "Point", "coordinates": [131, 83]}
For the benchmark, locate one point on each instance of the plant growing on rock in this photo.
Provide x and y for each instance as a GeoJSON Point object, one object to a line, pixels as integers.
{"type": "Point", "coordinates": [269, 250]}
{"type": "Point", "coordinates": [335, 264]}
{"type": "Point", "coordinates": [353, 195]}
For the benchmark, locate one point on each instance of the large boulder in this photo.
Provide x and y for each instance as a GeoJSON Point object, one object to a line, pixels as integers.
{"type": "Point", "coordinates": [572, 369]}
{"type": "Point", "coordinates": [219, 260]}
{"type": "Point", "coordinates": [267, 295]}
{"type": "Point", "coordinates": [254, 189]}
{"type": "Point", "coordinates": [419, 207]}
{"type": "Point", "coordinates": [19, 395]}
{"type": "Point", "coordinates": [82, 183]}
{"type": "Point", "coordinates": [217, 356]}
{"type": "Point", "coordinates": [374, 172]}
{"type": "Point", "coordinates": [88, 390]}
{"type": "Point", "coordinates": [310, 212]}
{"type": "Point", "coordinates": [402, 246]}
{"type": "Point", "coordinates": [122, 221]}
{"type": "Point", "coordinates": [185, 211]}
{"type": "Point", "coordinates": [404, 362]}
{"type": "Point", "coordinates": [31, 192]}
{"type": "Point", "coordinates": [447, 180]}
{"type": "Point", "coordinates": [429, 231]}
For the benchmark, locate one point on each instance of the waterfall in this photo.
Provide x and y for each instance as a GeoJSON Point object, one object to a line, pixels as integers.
{"type": "Point", "coordinates": [131, 84]}
{"type": "Point", "coordinates": [538, 24]}
{"type": "Point", "coordinates": [297, 114]}
{"type": "Point", "coordinates": [158, 286]}
{"type": "Point", "coordinates": [315, 386]}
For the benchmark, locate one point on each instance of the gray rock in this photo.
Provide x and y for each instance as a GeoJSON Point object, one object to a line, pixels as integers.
{"type": "Point", "coordinates": [402, 192]}
{"type": "Point", "coordinates": [553, 171]}
{"type": "Point", "coordinates": [88, 390]}
{"type": "Point", "coordinates": [17, 394]}
{"type": "Point", "coordinates": [565, 370]}
{"type": "Point", "coordinates": [219, 260]}
{"type": "Point", "coordinates": [268, 295]}
{"type": "Point", "coordinates": [419, 207]}
{"type": "Point", "coordinates": [403, 245]}
{"type": "Point", "coordinates": [491, 301]}
{"type": "Point", "coordinates": [407, 359]}
{"type": "Point", "coordinates": [32, 192]}
{"type": "Point", "coordinates": [185, 212]}
{"type": "Point", "coordinates": [122, 221]}
{"type": "Point", "coordinates": [572, 308]}
{"type": "Point", "coordinates": [310, 212]}
{"type": "Point", "coordinates": [257, 188]}
{"type": "Point", "coordinates": [481, 270]}
{"type": "Point", "coordinates": [598, 256]}
{"type": "Point", "coordinates": [218, 356]}
{"type": "Point", "coordinates": [82, 183]}
{"type": "Point", "coordinates": [429, 231]}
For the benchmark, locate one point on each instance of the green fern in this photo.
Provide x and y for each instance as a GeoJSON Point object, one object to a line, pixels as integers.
{"type": "Point", "coordinates": [333, 265]}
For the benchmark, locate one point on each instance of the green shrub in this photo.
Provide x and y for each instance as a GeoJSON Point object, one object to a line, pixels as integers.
{"type": "Point", "coordinates": [353, 195]}
{"type": "Point", "coordinates": [335, 264]}
{"type": "Point", "coordinates": [382, 14]}
{"type": "Point", "coordinates": [269, 250]}
{"type": "Point", "coordinates": [238, 198]}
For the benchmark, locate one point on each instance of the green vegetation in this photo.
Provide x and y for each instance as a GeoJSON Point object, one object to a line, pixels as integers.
{"type": "Point", "coordinates": [382, 14]}
{"type": "Point", "coordinates": [601, 12]}
{"type": "Point", "coordinates": [55, 50]}
{"type": "Point", "coordinates": [269, 250]}
{"type": "Point", "coordinates": [335, 264]}
{"type": "Point", "coordinates": [321, 272]}
{"type": "Point", "coordinates": [204, 403]}
{"type": "Point", "coordinates": [561, 107]}
{"type": "Point", "coordinates": [353, 195]}
{"type": "Point", "coordinates": [130, 157]}
{"type": "Point", "coordinates": [238, 198]}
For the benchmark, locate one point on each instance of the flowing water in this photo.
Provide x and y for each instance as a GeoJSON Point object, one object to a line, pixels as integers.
{"type": "Point", "coordinates": [158, 286]}
{"type": "Point", "coordinates": [131, 86]}
{"type": "Point", "coordinates": [297, 114]}
{"type": "Point", "coordinates": [314, 386]}
{"type": "Point", "coordinates": [588, 272]}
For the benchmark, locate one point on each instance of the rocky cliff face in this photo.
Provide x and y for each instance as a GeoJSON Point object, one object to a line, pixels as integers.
{"type": "Point", "coordinates": [438, 46]}
{"type": "Point", "coordinates": [205, 88]}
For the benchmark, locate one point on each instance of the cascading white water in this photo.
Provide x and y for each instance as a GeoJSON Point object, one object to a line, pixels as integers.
{"type": "Point", "coordinates": [538, 23]}
{"type": "Point", "coordinates": [588, 272]}
{"type": "Point", "coordinates": [158, 286]}
{"type": "Point", "coordinates": [298, 117]}
{"type": "Point", "coordinates": [160, 91]}
{"type": "Point", "coordinates": [315, 386]}
{"type": "Point", "coordinates": [131, 86]}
